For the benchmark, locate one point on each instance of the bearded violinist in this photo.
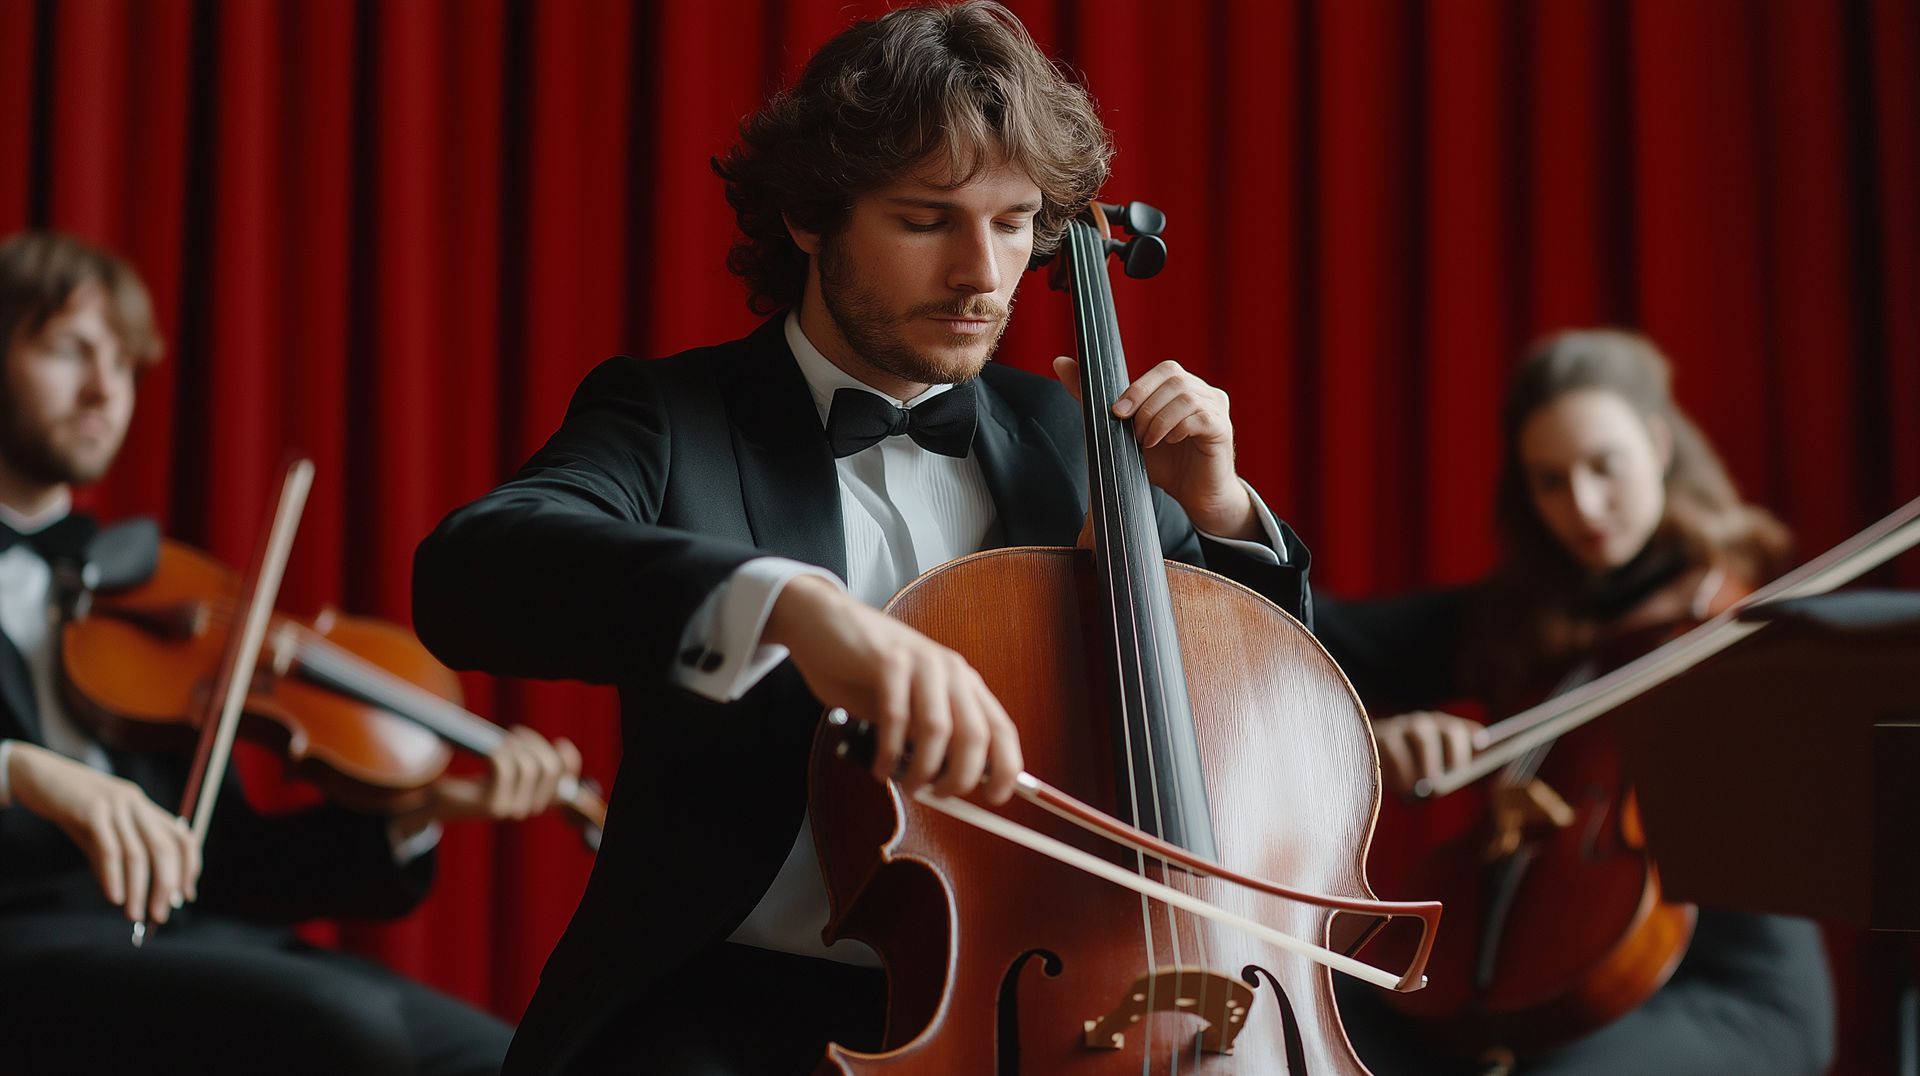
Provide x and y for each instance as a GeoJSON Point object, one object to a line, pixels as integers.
{"type": "Point", "coordinates": [711, 532]}
{"type": "Point", "coordinates": [1616, 520]}
{"type": "Point", "coordinates": [88, 840]}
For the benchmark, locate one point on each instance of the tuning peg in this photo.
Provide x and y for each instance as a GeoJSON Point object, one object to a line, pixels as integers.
{"type": "Point", "coordinates": [1136, 218]}
{"type": "Point", "coordinates": [1140, 257]}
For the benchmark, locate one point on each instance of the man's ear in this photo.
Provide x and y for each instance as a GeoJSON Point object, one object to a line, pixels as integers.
{"type": "Point", "coordinates": [808, 242]}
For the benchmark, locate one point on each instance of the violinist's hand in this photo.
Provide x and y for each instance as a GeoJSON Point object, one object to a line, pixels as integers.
{"type": "Point", "coordinates": [1187, 441]}
{"type": "Point", "coordinates": [912, 690]}
{"type": "Point", "coordinates": [144, 858]}
{"type": "Point", "coordinates": [523, 779]}
{"type": "Point", "coordinates": [1422, 744]}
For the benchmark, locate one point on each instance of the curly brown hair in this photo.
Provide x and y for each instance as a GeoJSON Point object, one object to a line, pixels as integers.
{"type": "Point", "coordinates": [41, 270]}
{"type": "Point", "coordinates": [964, 86]}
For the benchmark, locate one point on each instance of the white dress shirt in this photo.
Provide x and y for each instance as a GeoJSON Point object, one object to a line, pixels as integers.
{"type": "Point", "coordinates": [26, 616]}
{"type": "Point", "coordinates": [904, 510]}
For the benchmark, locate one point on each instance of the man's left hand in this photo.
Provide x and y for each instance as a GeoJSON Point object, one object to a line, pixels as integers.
{"type": "Point", "coordinates": [523, 779]}
{"type": "Point", "coordinates": [1186, 439]}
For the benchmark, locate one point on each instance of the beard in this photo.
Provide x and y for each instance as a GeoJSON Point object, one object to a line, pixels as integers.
{"type": "Point", "coordinates": [35, 453]}
{"type": "Point", "coordinates": [878, 336]}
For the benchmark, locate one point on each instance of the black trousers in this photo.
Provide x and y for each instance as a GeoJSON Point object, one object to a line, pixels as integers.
{"type": "Point", "coordinates": [213, 995]}
{"type": "Point", "coordinates": [738, 1011]}
{"type": "Point", "coordinates": [1751, 998]}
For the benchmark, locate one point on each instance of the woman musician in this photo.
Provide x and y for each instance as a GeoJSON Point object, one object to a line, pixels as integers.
{"type": "Point", "coordinates": [1618, 527]}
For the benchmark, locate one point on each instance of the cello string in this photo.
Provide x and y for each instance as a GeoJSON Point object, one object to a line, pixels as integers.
{"type": "Point", "coordinates": [1125, 459]}
{"type": "Point", "coordinates": [1087, 260]}
{"type": "Point", "coordinates": [1160, 639]}
{"type": "Point", "coordinates": [1152, 628]}
{"type": "Point", "coordinates": [1099, 436]}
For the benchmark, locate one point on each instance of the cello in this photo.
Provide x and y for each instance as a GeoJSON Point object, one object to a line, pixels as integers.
{"type": "Point", "coordinates": [1561, 923]}
{"type": "Point", "coordinates": [1213, 790]}
{"type": "Point", "coordinates": [1500, 987]}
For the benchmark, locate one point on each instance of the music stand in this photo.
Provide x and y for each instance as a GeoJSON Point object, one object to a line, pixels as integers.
{"type": "Point", "coordinates": [1783, 774]}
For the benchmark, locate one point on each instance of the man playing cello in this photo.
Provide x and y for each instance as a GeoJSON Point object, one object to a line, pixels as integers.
{"type": "Point", "coordinates": [711, 532]}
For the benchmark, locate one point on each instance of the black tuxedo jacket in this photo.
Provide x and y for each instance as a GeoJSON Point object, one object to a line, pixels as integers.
{"type": "Point", "coordinates": [664, 477]}
{"type": "Point", "coordinates": [304, 865]}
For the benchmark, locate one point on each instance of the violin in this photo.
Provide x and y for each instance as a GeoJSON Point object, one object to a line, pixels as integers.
{"type": "Point", "coordinates": [1165, 900]}
{"type": "Point", "coordinates": [356, 705]}
{"type": "Point", "coordinates": [1562, 926]}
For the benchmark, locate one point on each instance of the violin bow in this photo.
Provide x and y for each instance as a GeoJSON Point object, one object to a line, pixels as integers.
{"type": "Point", "coordinates": [1501, 743]}
{"type": "Point", "coordinates": [235, 676]}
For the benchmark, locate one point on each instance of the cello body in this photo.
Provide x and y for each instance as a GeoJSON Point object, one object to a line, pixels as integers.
{"type": "Point", "coordinates": [998, 959]}
{"type": "Point", "coordinates": [1557, 938]}
{"type": "Point", "coordinates": [1557, 929]}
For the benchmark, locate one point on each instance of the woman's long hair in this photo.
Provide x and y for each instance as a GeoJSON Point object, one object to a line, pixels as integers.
{"type": "Point", "coordinates": [1537, 610]}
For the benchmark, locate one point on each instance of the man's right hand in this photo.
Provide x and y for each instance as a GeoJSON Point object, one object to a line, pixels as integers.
{"type": "Point", "coordinates": [144, 858]}
{"type": "Point", "coordinates": [910, 688]}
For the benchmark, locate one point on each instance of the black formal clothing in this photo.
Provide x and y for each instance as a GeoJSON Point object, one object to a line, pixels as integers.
{"type": "Point", "coordinates": [224, 986]}
{"type": "Point", "coordinates": [664, 478]}
{"type": "Point", "coordinates": [1752, 996]}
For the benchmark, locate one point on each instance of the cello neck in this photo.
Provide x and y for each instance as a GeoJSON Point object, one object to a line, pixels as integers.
{"type": "Point", "coordinates": [1157, 754]}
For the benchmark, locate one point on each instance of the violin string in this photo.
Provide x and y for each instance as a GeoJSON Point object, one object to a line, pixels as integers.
{"type": "Point", "coordinates": [376, 686]}
{"type": "Point", "coordinates": [1087, 260]}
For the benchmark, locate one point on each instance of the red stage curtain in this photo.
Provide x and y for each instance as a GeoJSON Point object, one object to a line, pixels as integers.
{"type": "Point", "coordinates": [396, 235]}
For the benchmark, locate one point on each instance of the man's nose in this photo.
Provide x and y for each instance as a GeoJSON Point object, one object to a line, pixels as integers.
{"type": "Point", "coordinates": [974, 267]}
{"type": "Point", "coordinates": [97, 384]}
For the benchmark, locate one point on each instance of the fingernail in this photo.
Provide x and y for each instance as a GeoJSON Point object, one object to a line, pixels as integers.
{"type": "Point", "coordinates": [179, 901]}
{"type": "Point", "coordinates": [1123, 408]}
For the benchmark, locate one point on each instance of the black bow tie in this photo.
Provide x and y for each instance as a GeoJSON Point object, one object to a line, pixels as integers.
{"type": "Point", "coordinates": [861, 419]}
{"type": "Point", "coordinates": [66, 539]}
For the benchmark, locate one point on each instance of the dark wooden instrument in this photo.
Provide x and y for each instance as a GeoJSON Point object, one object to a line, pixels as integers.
{"type": "Point", "coordinates": [356, 705]}
{"type": "Point", "coordinates": [1559, 926]}
{"type": "Point", "coordinates": [1170, 699]}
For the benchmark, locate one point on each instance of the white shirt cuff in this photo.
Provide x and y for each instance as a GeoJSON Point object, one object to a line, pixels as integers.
{"type": "Point", "coordinates": [721, 655]}
{"type": "Point", "coordinates": [407, 848]}
{"type": "Point", "coordinates": [6, 759]}
{"type": "Point", "coordinates": [1274, 550]}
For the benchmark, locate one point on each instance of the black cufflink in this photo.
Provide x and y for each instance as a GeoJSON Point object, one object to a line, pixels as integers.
{"type": "Point", "coordinates": [699, 657]}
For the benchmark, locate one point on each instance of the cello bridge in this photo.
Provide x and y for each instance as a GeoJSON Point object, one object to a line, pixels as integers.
{"type": "Point", "coordinates": [1221, 1001]}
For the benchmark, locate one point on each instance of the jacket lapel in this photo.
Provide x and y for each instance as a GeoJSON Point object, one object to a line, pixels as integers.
{"type": "Point", "coordinates": [787, 478]}
{"type": "Point", "coordinates": [1026, 475]}
{"type": "Point", "coordinates": [16, 690]}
